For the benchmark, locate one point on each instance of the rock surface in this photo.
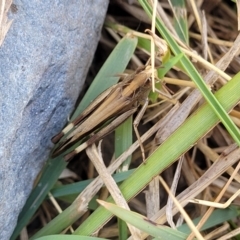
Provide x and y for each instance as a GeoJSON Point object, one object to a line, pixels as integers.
{"type": "Point", "coordinates": [43, 63]}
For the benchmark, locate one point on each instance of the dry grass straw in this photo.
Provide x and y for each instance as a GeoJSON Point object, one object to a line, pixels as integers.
{"type": "Point", "coordinates": [4, 22]}
{"type": "Point", "coordinates": [95, 156]}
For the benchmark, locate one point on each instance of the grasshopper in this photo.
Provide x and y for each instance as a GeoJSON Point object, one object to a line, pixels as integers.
{"type": "Point", "coordinates": [116, 104]}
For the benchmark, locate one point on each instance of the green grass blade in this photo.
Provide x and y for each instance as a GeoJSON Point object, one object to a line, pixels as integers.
{"type": "Point", "coordinates": [115, 64]}
{"type": "Point", "coordinates": [69, 237]}
{"type": "Point", "coordinates": [142, 42]}
{"type": "Point", "coordinates": [107, 76]}
{"type": "Point", "coordinates": [48, 178]}
{"type": "Point", "coordinates": [180, 19]}
{"type": "Point", "coordinates": [142, 223]}
{"type": "Point", "coordinates": [162, 71]}
{"type": "Point", "coordinates": [123, 140]}
{"type": "Point", "coordinates": [196, 126]}
{"type": "Point", "coordinates": [217, 217]}
{"type": "Point", "coordinates": [78, 187]}
{"type": "Point", "coordinates": [195, 76]}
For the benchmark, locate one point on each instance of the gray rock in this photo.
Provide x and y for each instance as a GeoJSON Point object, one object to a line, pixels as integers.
{"type": "Point", "coordinates": [43, 63]}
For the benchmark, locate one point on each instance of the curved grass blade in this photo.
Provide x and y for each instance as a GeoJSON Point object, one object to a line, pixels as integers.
{"type": "Point", "coordinates": [143, 223]}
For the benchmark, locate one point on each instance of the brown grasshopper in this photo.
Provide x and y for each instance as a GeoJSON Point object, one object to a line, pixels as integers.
{"type": "Point", "coordinates": [116, 104]}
